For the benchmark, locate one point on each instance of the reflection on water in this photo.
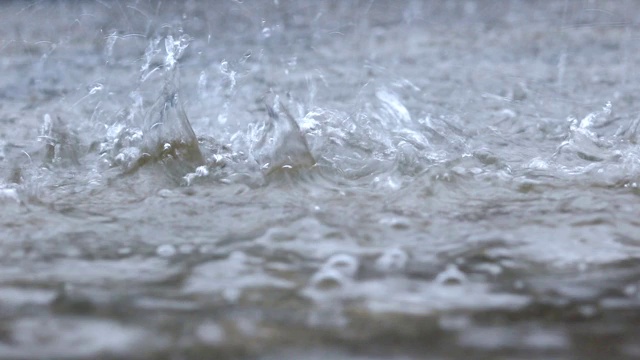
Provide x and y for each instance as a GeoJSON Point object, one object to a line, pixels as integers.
{"type": "Point", "coordinates": [288, 179]}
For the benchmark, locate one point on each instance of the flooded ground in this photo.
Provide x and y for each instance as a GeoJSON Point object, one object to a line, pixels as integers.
{"type": "Point", "coordinates": [311, 180]}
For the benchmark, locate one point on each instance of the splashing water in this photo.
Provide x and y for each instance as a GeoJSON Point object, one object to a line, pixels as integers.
{"type": "Point", "coordinates": [319, 180]}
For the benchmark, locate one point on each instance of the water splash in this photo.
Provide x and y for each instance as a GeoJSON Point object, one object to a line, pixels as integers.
{"type": "Point", "coordinates": [279, 143]}
{"type": "Point", "coordinates": [167, 135]}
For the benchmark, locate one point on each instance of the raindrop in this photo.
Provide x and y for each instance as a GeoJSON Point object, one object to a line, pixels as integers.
{"type": "Point", "coordinates": [266, 32]}
{"type": "Point", "coordinates": [224, 67]}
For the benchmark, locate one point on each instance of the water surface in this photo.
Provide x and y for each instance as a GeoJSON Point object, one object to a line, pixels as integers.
{"type": "Point", "coordinates": [311, 180]}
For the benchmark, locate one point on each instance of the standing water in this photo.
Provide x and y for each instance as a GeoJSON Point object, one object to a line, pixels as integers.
{"type": "Point", "coordinates": [319, 179]}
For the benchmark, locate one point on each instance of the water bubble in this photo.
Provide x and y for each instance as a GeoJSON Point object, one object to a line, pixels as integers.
{"type": "Point", "coordinates": [166, 250]}
{"type": "Point", "coordinates": [165, 193]}
{"type": "Point", "coordinates": [328, 279]}
{"type": "Point", "coordinates": [537, 164]}
{"type": "Point", "coordinates": [201, 171]}
{"type": "Point", "coordinates": [346, 264]}
{"type": "Point", "coordinates": [394, 260]}
{"type": "Point", "coordinates": [127, 156]}
{"type": "Point", "coordinates": [451, 276]}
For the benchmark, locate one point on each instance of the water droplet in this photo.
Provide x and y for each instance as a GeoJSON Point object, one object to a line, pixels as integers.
{"type": "Point", "coordinates": [266, 32]}
{"type": "Point", "coordinates": [224, 67]}
{"type": "Point", "coordinates": [166, 250]}
{"type": "Point", "coordinates": [202, 171]}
